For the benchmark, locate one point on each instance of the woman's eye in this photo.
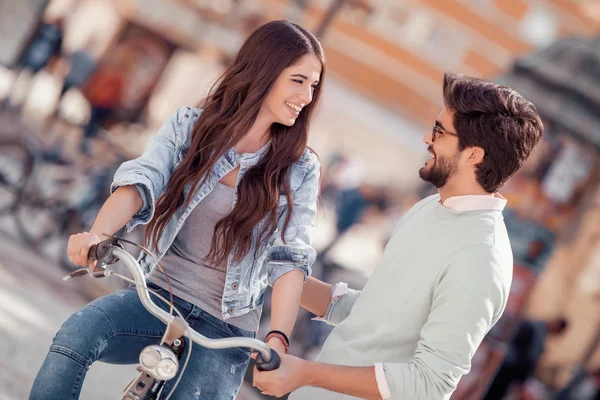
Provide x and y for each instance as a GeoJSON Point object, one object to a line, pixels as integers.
{"type": "Point", "coordinates": [298, 81]}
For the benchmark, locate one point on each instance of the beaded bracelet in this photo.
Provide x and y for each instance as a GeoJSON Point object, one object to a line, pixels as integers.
{"type": "Point", "coordinates": [281, 336]}
{"type": "Point", "coordinates": [287, 339]}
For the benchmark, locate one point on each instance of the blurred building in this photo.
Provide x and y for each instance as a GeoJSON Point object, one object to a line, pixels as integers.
{"type": "Point", "coordinates": [563, 80]}
{"type": "Point", "coordinates": [386, 57]}
{"type": "Point", "coordinates": [396, 51]}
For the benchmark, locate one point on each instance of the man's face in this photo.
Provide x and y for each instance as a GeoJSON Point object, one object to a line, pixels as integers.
{"type": "Point", "coordinates": [444, 151]}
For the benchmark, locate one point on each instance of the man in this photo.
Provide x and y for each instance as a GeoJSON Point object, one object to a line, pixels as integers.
{"type": "Point", "coordinates": [445, 275]}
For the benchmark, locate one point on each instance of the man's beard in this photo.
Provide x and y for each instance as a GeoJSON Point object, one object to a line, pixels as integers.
{"type": "Point", "coordinates": [441, 170]}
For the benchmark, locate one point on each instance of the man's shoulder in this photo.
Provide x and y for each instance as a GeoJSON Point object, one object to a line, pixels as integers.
{"type": "Point", "coordinates": [427, 202]}
{"type": "Point", "coordinates": [432, 199]}
{"type": "Point", "coordinates": [422, 205]}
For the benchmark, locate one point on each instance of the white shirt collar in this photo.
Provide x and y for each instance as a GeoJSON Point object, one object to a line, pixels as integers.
{"type": "Point", "coordinates": [478, 202]}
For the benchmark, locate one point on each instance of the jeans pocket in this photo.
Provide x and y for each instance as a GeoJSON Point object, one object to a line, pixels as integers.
{"type": "Point", "coordinates": [234, 331]}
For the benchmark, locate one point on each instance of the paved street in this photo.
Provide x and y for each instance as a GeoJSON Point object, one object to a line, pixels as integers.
{"type": "Point", "coordinates": [33, 303]}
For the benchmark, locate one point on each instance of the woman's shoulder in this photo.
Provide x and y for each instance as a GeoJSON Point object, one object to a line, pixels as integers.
{"type": "Point", "coordinates": [309, 159]}
{"type": "Point", "coordinates": [188, 114]}
{"type": "Point", "coordinates": [182, 122]}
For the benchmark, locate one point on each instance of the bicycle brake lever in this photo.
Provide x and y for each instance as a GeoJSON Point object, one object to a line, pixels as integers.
{"type": "Point", "coordinates": [75, 274]}
{"type": "Point", "coordinates": [85, 271]}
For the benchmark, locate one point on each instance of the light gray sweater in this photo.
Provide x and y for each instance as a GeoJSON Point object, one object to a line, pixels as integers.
{"type": "Point", "coordinates": [441, 285]}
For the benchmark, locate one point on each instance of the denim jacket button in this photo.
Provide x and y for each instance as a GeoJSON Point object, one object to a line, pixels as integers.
{"type": "Point", "coordinates": [234, 286]}
{"type": "Point", "coordinates": [230, 311]}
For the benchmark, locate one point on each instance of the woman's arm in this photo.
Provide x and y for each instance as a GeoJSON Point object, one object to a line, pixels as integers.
{"type": "Point", "coordinates": [118, 209]}
{"type": "Point", "coordinates": [287, 291]}
{"type": "Point", "coordinates": [289, 260]}
{"type": "Point", "coordinates": [316, 296]}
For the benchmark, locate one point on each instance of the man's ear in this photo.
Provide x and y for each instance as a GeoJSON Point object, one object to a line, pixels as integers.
{"type": "Point", "coordinates": [476, 155]}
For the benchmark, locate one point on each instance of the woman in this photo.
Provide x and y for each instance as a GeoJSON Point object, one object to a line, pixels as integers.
{"type": "Point", "coordinates": [229, 194]}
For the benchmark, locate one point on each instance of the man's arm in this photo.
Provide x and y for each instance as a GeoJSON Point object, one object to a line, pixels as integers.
{"type": "Point", "coordinates": [353, 381]}
{"type": "Point", "coordinates": [330, 303]}
{"type": "Point", "coordinates": [295, 373]}
{"type": "Point", "coordinates": [316, 296]}
{"type": "Point", "coordinates": [467, 301]}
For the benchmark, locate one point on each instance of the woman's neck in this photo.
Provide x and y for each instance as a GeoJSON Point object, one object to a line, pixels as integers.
{"type": "Point", "coordinates": [257, 136]}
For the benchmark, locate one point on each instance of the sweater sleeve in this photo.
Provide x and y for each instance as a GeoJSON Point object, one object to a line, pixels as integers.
{"type": "Point", "coordinates": [467, 301]}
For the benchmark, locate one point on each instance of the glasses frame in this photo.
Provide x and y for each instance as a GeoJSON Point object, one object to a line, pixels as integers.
{"type": "Point", "coordinates": [438, 130]}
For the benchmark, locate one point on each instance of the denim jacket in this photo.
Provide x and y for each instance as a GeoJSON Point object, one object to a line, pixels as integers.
{"type": "Point", "coordinates": [246, 280]}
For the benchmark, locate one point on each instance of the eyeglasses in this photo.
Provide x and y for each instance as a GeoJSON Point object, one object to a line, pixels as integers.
{"type": "Point", "coordinates": [438, 130]}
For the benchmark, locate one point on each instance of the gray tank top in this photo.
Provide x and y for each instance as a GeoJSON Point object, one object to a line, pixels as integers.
{"type": "Point", "coordinates": [193, 280]}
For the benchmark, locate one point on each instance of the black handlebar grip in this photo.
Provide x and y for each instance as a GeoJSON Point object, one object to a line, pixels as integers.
{"type": "Point", "coordinates": [100, 251]}
{"type": "Point", "coordinates": [270, 365]}
{"type": "Point", "coordinates": [92, 253]}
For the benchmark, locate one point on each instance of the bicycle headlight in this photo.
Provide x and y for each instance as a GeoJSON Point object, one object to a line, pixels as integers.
{"type": "Point", "coordinates": [150, 357]}
{"type": "Point", "coordinates": [159, 362]}
{"type": "Point", "coordinates": [166, 369]}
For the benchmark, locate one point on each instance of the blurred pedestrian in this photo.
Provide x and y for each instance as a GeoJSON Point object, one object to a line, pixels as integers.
{"type": "Point", "coordinates": [351, 205]}
{"type": "Point", "coordinates": [103, 91]}
{"type": "Point", "coordinates": [81, 65]}
{"type": "Point", "coordinates": [44, 46]}
{"type": "Point", "coordinates": [522, 354]}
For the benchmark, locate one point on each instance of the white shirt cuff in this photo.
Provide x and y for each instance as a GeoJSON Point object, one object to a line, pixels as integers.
{"type": "Point", "coordinates": [384, 389]}
{"type": "Point", "coordinates": [338, 290]}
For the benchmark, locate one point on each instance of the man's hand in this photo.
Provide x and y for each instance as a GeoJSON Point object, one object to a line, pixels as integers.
{"type": "Point", "coordinates": [287, 378]}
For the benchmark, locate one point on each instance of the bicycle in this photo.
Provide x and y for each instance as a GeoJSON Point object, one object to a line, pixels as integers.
{"type": "Point", "coordinates": [16, 165]}
{"type": "Point", "coordinates": [59, 192]}
{"type": "Point", "coordinates": [53, 196]}
{"type": "Point", "coordinates": [160, 362]}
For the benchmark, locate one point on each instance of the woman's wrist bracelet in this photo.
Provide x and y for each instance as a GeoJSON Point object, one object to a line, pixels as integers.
{"type": "Point", "coordinates": [281, 338]}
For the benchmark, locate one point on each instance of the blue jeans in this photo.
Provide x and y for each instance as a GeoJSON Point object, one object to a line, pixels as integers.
{"type": "Point", "coordinates": [115, 328]}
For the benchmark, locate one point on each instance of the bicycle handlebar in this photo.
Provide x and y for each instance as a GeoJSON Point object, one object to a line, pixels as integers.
{"type": "Point", "coordinates": [110, 251]}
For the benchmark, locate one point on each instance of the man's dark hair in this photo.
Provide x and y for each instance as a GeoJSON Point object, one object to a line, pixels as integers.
{"type": "Point", "coordinates": [497, 119]}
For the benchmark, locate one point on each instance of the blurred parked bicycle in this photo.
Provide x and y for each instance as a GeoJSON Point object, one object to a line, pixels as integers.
{"type": "Point", "coordinates": [50, 194]}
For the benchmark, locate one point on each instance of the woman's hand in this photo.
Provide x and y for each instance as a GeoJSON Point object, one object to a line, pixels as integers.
{"type": "Point", "coordinates": [79, 247]}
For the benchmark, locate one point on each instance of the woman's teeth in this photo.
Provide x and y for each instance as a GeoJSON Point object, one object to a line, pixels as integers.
{"type": "Point", "coordinates": [293, 106]}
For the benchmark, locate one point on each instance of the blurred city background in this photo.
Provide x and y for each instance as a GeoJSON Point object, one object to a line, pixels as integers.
{"type": "Point", "coordinates": [84, 84]}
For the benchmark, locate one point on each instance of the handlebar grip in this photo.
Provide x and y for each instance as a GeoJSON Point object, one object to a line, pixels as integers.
{"type": "Point", "coordinates": [271, 365]}
{"type": "Point", "coordinates": [93, 253]}
{"type": "Point", "coordinates": [100, 251]}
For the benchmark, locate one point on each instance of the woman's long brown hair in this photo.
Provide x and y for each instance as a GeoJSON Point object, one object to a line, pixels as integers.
{"type": "Point", "coordinates": [229, 111]}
